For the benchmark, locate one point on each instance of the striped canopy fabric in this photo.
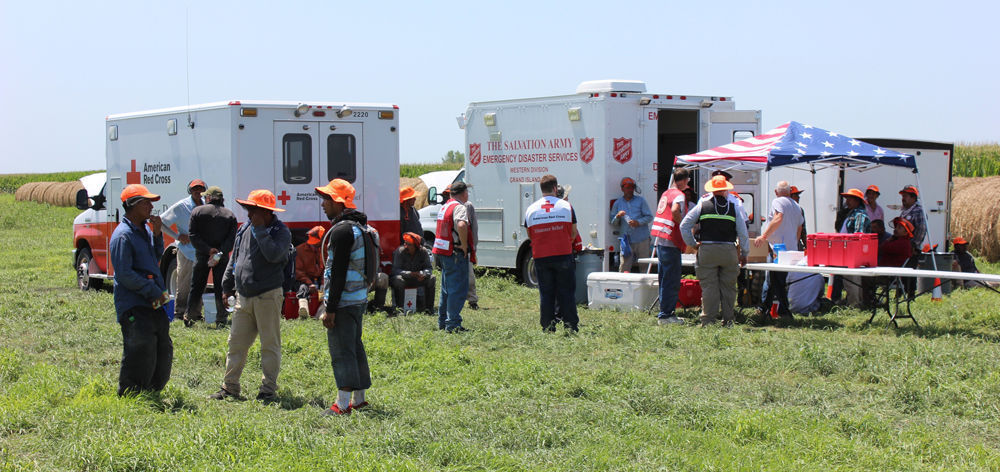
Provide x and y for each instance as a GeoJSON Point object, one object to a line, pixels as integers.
{"type": "Point", "coordinates": [796, 143]}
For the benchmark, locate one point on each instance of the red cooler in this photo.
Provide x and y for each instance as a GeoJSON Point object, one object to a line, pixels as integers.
{"type": "Point", "coordinates": [818, 248]}
{"type": "Point", "coordinates": [861, 250]}
{"type": "Point", "coordinates": [689, 294]}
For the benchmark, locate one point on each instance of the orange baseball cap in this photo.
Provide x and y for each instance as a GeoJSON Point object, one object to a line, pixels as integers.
{"type": "Point", "coordinates": [197, 183]}
{"type": "Point", "coordinates": [794, 190]}
{"type": "Point", "coordinates": [406, 193]}
{"type": "Point", "coordinates": [260, 198]}
{"type": "Point", "coordinates": [900, 221]}
{"type": "Point", "coordinates": [873, 188]}
{"type": "Point", "coordinates": [911, 190]}
{"type": "Point", "coordinates": [959, 240]}
{"type": "Point", "coordinates": [339, 190]}
{"type": "Point", "coordinates": [315, 234]}
{"type": "Point", "coordinates": [718, 183]}
{"type": "Point", "coordinates": [627, 181]}
{"type": "Point", "coordinates": [136, 190]}
{"type": "Point", "coordinates": [854, 193]}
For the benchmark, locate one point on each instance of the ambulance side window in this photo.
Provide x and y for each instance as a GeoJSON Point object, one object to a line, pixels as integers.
{"type": "Point", "coordinates": [741, 135]}
{"type": "Point", "coordinates": [341, 159]}
{"type": "Point", "coordinates": [297, 158]}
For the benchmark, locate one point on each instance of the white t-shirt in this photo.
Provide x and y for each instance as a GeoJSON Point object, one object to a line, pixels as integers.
{"type": "Point", "coordinates": [791, 219]}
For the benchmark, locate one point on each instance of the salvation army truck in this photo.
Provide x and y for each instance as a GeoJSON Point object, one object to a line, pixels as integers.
{"type": "Point", "coordinates": [590, 140]}
{"type": "Point", "coordinates": [286, 147]}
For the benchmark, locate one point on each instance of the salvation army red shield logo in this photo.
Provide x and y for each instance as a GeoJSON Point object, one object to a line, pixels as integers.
{"type": "Point", "coordinates": [586, 150]}
{"type": "Point", "coordinates": [475, 155]}
{"type": "Point", "coordinates": [623, 150]}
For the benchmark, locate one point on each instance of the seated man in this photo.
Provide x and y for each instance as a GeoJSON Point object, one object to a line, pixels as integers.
{"type": "Point", "coordinates": [411, 268]}
{"type": "Point", "coordinates": [895, 251]}
{"type": "Point", "coordinates": [964, 262]}
{"type": "Point", "coordinates": [309, 265]}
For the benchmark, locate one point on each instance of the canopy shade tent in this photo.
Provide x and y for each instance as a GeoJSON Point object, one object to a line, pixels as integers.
{"type": "Point", "coordinates": [799, 145]}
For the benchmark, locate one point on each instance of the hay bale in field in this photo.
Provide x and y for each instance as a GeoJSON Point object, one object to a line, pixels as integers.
{"type": "Point", "coordinates": [23, 193]}
{"type": "Point", "coordinates": [53, 193]}
{"type": "Point", "coordinates": [975, 214]}
{"type": "Point", "coordinates": [38, 190]}
{"type": "Point", "coordinates": [419, 187]}
{"type": "Point", "coordinates": [68, 192]}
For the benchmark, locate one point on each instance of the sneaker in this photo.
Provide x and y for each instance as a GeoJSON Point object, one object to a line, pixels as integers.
{"type": "Point", "coordinates": [669, 320]}
{"type": "Point", "coordinates": [334, 410]}
{"type": "Point", "coordinates": [267, 398]}
{"type": "Point", "coordinates": [359, 406]}
{"type": "Point", "coordinates": [473, 306]}
{"type": "Point", "coordinates": [222, 394]}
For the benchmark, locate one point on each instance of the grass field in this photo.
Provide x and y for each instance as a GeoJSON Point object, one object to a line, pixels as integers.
{"type": "Point", "coordinates": [827, 393]}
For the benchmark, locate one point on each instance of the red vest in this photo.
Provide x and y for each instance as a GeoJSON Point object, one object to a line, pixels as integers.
{"type": "Point", "coordinates": [664, 226]}
{"type": "Point", "coordinates": [445, 224]}
{"type": "Point", "coordinates": [550, 227]}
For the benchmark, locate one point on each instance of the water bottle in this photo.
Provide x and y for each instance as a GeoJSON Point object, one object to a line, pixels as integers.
{"type": "Point", "coordinates": [231, 304]}
{"type": "Point", "coordinates": [215, 259]}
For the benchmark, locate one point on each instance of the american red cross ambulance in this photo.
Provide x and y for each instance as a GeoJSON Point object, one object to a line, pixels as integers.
{"type": "Point", "coordinates": [286, 147]}
{"type": "Point", "coordinates": [607, 130]}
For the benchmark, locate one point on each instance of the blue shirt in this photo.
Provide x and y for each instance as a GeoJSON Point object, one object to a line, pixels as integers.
{"type": "Point", "coordinates": [635, 209]}
{"type": "Point", "coordinates": [180, 214]}
{"type": "Point", "coordinates": [135, 256]}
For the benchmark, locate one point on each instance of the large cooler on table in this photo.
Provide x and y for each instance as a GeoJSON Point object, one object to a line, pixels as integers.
{"type": "Point", "coordinates": [621, 291]}
{"type": "Point", "coordinates": [842, 250]}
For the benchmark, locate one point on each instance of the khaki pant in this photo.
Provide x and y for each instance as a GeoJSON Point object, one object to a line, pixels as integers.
{"type": "Point", "coordinates": [717, 267]}
{"type": "Point", "coordinates": [639, 250]}
{"type": "Point", "coordinates": [255, 315]}
{"type": "Point", "coordinates": [182, 287]}
{"type": "Point", "coordinates": [472, 297]}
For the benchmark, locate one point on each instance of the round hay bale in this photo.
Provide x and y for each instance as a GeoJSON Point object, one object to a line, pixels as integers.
{"type": "Point", "coordinates": [51, 193]}
{"type": "Point", "coordinates": [38, 191]}
{"type": "Point", "coordinates": [23, 193]}
{"type": "Point", "coordinates": [68, 192]}
{"type": "Point", "coordinates": [975, 214]}
{"type": "Point", "coordinates": [419, 187]}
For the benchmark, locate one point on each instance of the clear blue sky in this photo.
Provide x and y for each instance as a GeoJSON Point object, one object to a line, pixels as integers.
{"type": "Point", "coordinates": [906, 69]}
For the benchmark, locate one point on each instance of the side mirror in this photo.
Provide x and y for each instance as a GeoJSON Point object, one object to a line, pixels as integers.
{"type": "Point", "coordinates": [432, 195]}
{"type": "Point", "coordinates": [82, 199]}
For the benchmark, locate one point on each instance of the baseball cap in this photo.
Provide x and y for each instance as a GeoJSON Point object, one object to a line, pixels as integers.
{"type": "Point", "coordinates": [315, 234]}
{"type": "Point", "coordinates": [794, 190]}
{"type": "Point", "coordinates": [873, 188]}
{"type": "Point", "coordinates": [197, 183]}
{"type": "Point", "coordinates": [138, 190]}
{"type": "Point", "coordinates": [213, 191]}
{"type": "Point", "coordinates": [911, 190]}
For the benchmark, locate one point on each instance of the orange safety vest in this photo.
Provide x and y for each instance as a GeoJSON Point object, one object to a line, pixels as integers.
{"type": "Point", "coordinates": [664, 226]}
{"type": "Point", "coordinates": [443, 244]}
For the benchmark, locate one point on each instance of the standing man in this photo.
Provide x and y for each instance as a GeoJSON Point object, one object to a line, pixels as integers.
{"type": "Point", "coordinates": [409, 219]}
{"type": "Point", "coordinates": [473, 297]}
{"type": "Point", "coordinates": [346, 296]}
{"type": "Point", "coordinates": [670, 244]}
{"type": "Point", "coordinates": [551, 226]}
{"type": "Point", "coordinates": [718, 263]}
{"type": "Point", "coordinates": [871, 206]}
{"type": "Point", "coordinates": [856, 220]}
{"type": "Point", "coordinates": [795, 194]}
{"type": "Point", "coordinates": [632, 216]}
{"type": "Point", "coordinates": [309, 268]}
{"type": "Point", "coordinates": [179, 216]}
{"type": "Point", "coordinates": [914, 213]}
{"type": "Point", "coordinates": [411, 268]}
{"type": "Point", "coordinates": [256, 272]}
{"type": "Point", "coordinates": [784, 226]}
{"type": "Point", "coordinates": [213, 233]}
{"type": "Point", "coordinates": [451, 245]}
{"type": "Point", "coordinates": [147, 351]}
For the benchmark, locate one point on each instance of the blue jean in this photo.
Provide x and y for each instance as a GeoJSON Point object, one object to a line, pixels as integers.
{"type": "Point", "coordinates": [454, 289]}
{"type": "Point", "coordinates": [347, 352]}
{"type": "Point", "coordinates": [669, 279]}
{"type": "Point", "coordinates": [557, 281]}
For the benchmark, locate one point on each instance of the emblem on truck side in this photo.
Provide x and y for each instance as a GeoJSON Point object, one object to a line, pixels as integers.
{"type": "Point", "coordinates": [586, 150]}
{"type": "Point", "coordinates": [475, 154]}
{"type": "Point", "coordinates": [623, 150]}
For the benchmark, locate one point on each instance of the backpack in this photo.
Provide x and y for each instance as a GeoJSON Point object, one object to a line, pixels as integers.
{"type": "Point", "coordinates": [372, 251]}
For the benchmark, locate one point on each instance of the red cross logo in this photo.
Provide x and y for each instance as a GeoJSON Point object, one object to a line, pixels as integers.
{"type": "Point", "coordinates": [548, 206]}
{"type": "Point", "coordinates": [284, 197]}
{"type": "Point", "coordinates": [133, 177]}
{"type": "Point", "coordinates": [409, 304]}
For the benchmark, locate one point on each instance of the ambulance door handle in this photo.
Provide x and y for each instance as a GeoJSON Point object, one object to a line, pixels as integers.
{"type": "Point", "coordinates": [305, 127]}
{"type": "Point", "coordinates": [333, 127]}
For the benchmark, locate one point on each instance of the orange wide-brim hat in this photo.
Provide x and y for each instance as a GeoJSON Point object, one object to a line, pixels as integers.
{"type": "Point", "coordinates": [854, 193]}
{"type": "Point", "coordinates": [959, 240]}
{"type": "Point", "coordinates": [718, 183]}
{"type": "Point", "coordinates": [137, 190]}
{"type": "Point", "coordinates": [260, 198]}
{"type": "Point", "coordinates": [407, 193]}
{"type": "Point", "coordinates": [315, 234]}
{"type": "Point", "coordinates": [339, 190]}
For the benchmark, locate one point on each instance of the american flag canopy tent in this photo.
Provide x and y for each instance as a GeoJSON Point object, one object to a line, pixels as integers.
{"type": "Point", "coordinates": [797, 144]}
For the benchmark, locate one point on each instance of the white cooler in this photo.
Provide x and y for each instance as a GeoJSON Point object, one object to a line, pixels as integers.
{"type": "Point", "coordinates": [621, 291]}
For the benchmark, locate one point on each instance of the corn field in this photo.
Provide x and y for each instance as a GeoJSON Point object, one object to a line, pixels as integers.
{"type": "Point", "coordinates": [976, 159]}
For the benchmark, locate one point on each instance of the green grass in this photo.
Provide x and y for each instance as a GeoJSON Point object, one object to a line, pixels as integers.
{"type": "Point", "coordinates": [416, 170]}
{"type": "Point", "coordinates": [10, 182]}
{"type": "Point", "coordinates": [977, 159]}
{"type": "Point", "coordinates": [827, 393]}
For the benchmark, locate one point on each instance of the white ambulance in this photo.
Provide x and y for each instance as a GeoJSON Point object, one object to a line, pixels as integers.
{"type": "Point", "coordinates": [286, 147]}
{"type": "Point", "coordinates": [607, 130]}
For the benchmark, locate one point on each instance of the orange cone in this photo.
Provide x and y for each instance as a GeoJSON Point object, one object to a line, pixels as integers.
{"type": "Point", "coordinates": [936, 294]}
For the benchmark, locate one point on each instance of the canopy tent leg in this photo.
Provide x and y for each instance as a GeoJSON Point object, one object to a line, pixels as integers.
{"type": "Point", "coordinates": [815, 226]}
{"type": "Point", "coordinates": [927, 233]}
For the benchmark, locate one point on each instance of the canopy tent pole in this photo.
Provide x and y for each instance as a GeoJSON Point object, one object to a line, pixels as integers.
{"type": "Point", "coordinates": [815, 226]}
{"type": "Point", "coordinates": [927, 232]}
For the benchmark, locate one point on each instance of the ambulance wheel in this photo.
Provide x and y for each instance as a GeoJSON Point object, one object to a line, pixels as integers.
{"type": "Point", "coordinates": [83, 278]}
{"type": "Point", "coordinates": [170, 277]}
{"type": "Point", "coordinates": [526, 268]}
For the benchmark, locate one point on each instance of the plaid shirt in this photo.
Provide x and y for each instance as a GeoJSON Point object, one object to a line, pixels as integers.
{"type": "Point", "coordinates": [915, 215]}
